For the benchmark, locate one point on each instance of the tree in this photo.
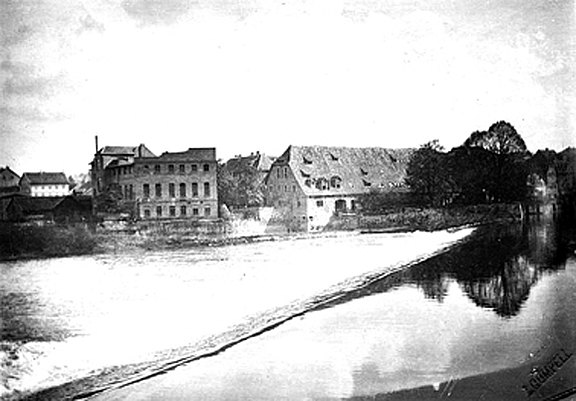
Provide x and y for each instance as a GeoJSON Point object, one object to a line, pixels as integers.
{"type": "Point", "coordinates": [240, 188]}
{"type": "Point", "coordinates": [427, 176]}
{"type": "Point", "coordinates": [500, 139]}
{"type": "Point", "coordinates": [505, 164]}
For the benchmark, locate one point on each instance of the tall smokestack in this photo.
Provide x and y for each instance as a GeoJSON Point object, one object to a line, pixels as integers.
{"type": "Point", "coordinates": [96, 140]}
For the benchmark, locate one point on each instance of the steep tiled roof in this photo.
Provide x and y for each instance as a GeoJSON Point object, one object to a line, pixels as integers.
{"type": "Point", "coordinates": [259, 161]}
{"type": "Point", "coordinates": [37, 204]}
{"type": "Point", "coordinates": [7, 169]}
{"type": "Point", "coordinates": [352, 170]}
{"type": "Point", "coordinates": [45, 178]}
{"type": "Point", "coordinates": [201, 154]}
{"type": "Point", "coordinates": [136, 151]}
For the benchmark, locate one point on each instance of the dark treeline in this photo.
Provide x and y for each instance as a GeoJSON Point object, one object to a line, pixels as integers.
{"type": "Point", "coordinates": [490, 167]}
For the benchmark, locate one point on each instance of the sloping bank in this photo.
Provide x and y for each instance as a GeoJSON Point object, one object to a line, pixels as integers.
{"type": "Point", "coordinates": [322, 285]}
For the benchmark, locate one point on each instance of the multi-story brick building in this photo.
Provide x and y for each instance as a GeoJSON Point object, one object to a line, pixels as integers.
{"type": "Point", "coordinates": [173, 185]}
{"type": "Point", "coordinates": [307, 185]}
{"type": "Point", "coordinates": [100, 175]}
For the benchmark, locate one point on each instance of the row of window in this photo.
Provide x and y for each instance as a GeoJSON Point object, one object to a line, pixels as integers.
{"type": "Point", "coordinates": [282, 172]}
{"type": "Point", "coordinates": [47, 187]}
{"type": "Point", "coordinates": [285, 187]}
{"type": "Point", "coordinates": [323, 184]}
{"type": "Point", "coordinates": [171, 168]}
{"type": "Point", "coordinates": [172, 211]}
{"type": "Point", "coordinates": [182, 190]}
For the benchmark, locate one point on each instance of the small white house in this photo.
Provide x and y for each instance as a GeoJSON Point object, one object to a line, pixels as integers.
{"type": "Point", "coordinates": [45, 184]}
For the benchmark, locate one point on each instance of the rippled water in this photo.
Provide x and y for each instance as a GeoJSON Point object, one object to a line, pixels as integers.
{"type": "Point", "coordinates": [62, 318]}
{"type": "Point", "coordinates": [490, 305]}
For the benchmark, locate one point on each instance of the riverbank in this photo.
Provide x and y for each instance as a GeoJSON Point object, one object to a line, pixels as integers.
{"type": "Point", "coordinates": [23, 242]}
{"type": "Point", "coordinates": [268, 286]}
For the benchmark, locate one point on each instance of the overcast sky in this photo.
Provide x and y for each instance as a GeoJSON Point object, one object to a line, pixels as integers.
{"type": "Point", "coordinates": [247, 75]}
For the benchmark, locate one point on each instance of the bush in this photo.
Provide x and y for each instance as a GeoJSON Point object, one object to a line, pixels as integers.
{"type": "Point", "coordinates": [17, 240]}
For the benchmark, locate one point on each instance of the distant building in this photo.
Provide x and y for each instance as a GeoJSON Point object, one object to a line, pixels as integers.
{"type": "Point", "coordinates": [44, 184]}
{"type": "Point", "coordinates": [118, 156]}
{"type": "Point", "coordinates": [174, 185]}
{"type": "Point", "coordinates": [258, 161]}
{"type": "Point", "coordinates": [307, 185]}
{"type": "Point", "coordinates": [8, 178]}
{"type": "Point", "coordinates": [255, 167]}
{"type": "Point", "coordinates": [8, 181]}
{"type": "Point", "coordinates": [46, 209]}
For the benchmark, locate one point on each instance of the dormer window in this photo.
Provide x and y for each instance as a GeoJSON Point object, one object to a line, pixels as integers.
{"type": "Point", "coordinates": [333, 157]}
{"type": "Point", "coordinates": [363, 171]}
{"type": "Point", "coordinates": [335, 182]}
{"type": "Point", "coordinates": [322, 184]}
{"type": "Point", "coordinates": [308, 182]}
{"type": "Point", "coordinates": [304, 174]}
{"type": "Point", "coordinates": [307, 160]}
{"type": "Point", "coordinates": [367, 183]}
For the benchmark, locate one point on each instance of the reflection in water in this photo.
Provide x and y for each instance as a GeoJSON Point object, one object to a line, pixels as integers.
{"type": "Point", "coordinates": [485, 307]}
{"type": "Point", "coordinates": [496, 268]}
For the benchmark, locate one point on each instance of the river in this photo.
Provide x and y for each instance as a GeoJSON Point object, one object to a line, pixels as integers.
{"type": "Point", "coordinates": [64, 319]}
{"type": "Point", "coordinates": [489, 314]}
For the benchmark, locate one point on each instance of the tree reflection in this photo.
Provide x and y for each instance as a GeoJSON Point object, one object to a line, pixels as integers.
{"type": "Point", "coordinates": [496, 268]}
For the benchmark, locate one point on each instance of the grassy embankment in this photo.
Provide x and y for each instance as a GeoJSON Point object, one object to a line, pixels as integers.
{"type": "Point", "coordinates": [439, 219]}
{"type": "Point", "coordinates": [29, 241]}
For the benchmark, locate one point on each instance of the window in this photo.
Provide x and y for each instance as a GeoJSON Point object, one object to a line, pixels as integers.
{"type": "Point", "coordinates": [293, 188]}
{"type": "Point", "coordinates": [126, 192]}
{"type": "Point", "coordinates": [206, 189]}
{"type": "Point", "coordinates": [320, 203]}
{"type": "Point", "coordinates": [285, 172]}
{"type": "Point", "coordinates": [278, 172]}
{"type": "Point", "coordinates": [171, 168]}
{"type": "Point", "coordinates": [322, 183]}
{"type": "Point", "coordinates": [171, 190]}
{"type": "Point", "coordinates": [182, 168]}
{"type": "Point", "coordinates": [157, 169]}
{"type": "Point", "coordinates": [206, 211]}
{"type": "Point", "coordinates": [194, 168]}
{"type": "Point", "coordinates": [158, 189]}
{"type": "Point", "coordinates": [195, 211]}
{"type": "Point", "coordinates": [335, 182]}
{"type": "Point", "coordinates": [298, 203]}
{"type": "Point", "coordinates": [308, 182]}
{"type": "Point", "coordinates": [182, 190]}
{"type": "Point", "coordinates": [182, 210]}
{"type": "Point", "coordinates": [146, 169]}
{"type": "Point", "coordinates": [159, 211]}
{"type": "Point", "coordinates": [206, 167]}
{"type": "Point", "coordinates": [146, 190]}
{"type": "Point", "coordinates": [146, 212]}
{"type": "Point", "coordinates": [172, 210]}
{"type": "Point", "coordinates": [194, 189]}
{"type": "Point", "coordinates": [131, 192]}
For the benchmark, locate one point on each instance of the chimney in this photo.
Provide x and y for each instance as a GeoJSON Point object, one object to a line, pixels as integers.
{"type": "Point", "coordinates": [140, 150]}
{"type": "Point", "coordinates": [96, 140]}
